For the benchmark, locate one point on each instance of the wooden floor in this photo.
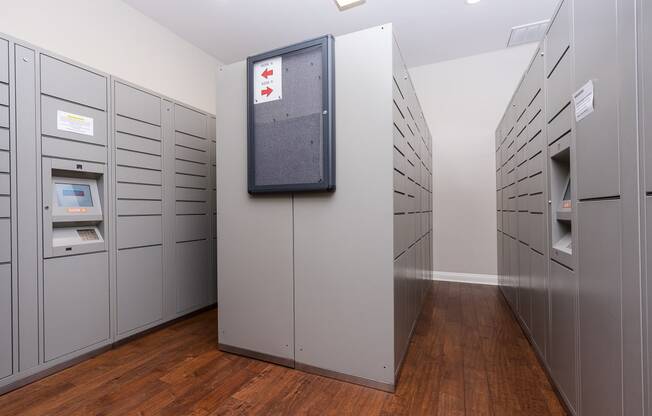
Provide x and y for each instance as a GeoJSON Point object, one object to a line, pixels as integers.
{"type": "Point", "coordinates": [468, 357]}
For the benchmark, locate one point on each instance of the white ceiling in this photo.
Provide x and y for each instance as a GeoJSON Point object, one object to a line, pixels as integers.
{"type": "Point", "coordinates": [428, 30]}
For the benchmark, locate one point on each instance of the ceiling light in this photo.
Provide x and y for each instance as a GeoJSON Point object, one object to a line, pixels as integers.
{"type": "Point", "coordinates": [472, 1]}
{"type": "Point", "coordinates": [347, 4]}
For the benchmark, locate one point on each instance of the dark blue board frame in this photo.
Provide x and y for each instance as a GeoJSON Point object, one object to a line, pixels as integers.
{"type": "Point", "coordinates": [327, 181]}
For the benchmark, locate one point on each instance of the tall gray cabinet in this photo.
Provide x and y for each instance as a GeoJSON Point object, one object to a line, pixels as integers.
{"type": "Point", "coordinates": [331, 283]}
{"type": "Point", "coordinates": [576, 288]}
{"type": "Point", "coordinates": [105, 211]}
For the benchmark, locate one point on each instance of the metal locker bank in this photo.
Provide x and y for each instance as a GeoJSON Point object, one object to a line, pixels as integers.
{"type": "Point", "coordinates": [105, 212]}
{"type": "Point", "coordinates": [579, 287]}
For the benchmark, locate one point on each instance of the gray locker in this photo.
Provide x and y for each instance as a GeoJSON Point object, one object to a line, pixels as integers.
{"type": "Point", "coordinates": [75, 303]}
{"type": "Point", "coordinates": [6, 324]}
{"type": "Point", "coordinates": [598, 58]}
{"type": "Point", "coordinates": [524, 285]}
{"type": "Point", "coordinates": [72, 83]}
{"type": "Point", "coordinates": [139, 287]}
{"type": "Point", "coordinates": [192, 274]}
{"type": "Point", "coordinates": [600, 307]}
{"type": "Point", "coordinates": [562, 356]}
{"type": "Point", "coordinates": [539, 299]}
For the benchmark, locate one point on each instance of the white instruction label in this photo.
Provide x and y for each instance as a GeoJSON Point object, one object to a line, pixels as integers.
{"type": "Point", "coordinates": [584, 101]}
{"type": "Point", "coordinates": [268, 80]}
{"type": "Point", "coordinates": [74, 123]}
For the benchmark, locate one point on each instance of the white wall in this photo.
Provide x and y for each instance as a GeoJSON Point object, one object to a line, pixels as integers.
{"type": "Point", "coordinates": [463, 101]}
{"type": "Point", "coordinates": [113, 37]}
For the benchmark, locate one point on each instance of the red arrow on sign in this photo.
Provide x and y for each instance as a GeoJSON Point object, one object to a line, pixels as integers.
{"type": "Point", "coordinates": [267, 91]}
{"type": "Point", "coordinates": [268, 73]}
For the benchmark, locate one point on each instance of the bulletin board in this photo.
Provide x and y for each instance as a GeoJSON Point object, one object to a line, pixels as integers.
{"type": "Point", "coordinates": [290, 115]}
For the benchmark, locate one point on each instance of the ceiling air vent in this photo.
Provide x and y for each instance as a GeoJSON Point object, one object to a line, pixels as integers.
{"type": "Point", "coordinates": [532, 32]}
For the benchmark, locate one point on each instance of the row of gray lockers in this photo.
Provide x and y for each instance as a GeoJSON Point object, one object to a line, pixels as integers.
{"type": "Point", "coordinates": [577, 284]}
{"type": "Point", "coordinates": [145, 257]}
{"type": "Point", "coordinates": [412, 204]}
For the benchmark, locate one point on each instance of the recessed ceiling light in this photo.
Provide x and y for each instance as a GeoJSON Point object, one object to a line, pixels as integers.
{"type": "Point", "coordinates": [347, 4]}
{"type": "Point", "coordinates": [472, 1]}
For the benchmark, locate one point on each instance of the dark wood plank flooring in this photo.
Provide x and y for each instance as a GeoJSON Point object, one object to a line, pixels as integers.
{"type": "Point", "coordinates": [467, 357]}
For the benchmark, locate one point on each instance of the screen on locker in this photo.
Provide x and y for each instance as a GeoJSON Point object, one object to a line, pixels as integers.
{"type": "Point", "coordinates": [73, 195]}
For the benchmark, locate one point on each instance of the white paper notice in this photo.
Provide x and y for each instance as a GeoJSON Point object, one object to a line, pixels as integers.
{"type": "Point", "coordinates": [74, 123]}
{"type": "Point", "coordinates": [268, 80]}
{"type": "Point", "coordinates": [584, 101]}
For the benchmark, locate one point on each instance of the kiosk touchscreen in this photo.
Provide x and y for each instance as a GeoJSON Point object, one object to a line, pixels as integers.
{"type": "Point", "coordinates": [76, 210]}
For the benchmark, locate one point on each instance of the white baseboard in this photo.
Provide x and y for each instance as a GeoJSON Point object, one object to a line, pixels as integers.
{"type": "Point", "coordinates": [478, 279]}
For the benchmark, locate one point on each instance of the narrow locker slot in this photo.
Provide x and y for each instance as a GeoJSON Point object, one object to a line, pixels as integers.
{"type": "Point", "coordinates": [539, 299]}
{"type": "Point", "coordinates": [137, 128]}
{"type": "Point", "coordinates": [133, 143]}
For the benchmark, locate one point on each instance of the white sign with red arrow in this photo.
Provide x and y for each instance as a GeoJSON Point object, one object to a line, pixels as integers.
{"type": "Point", "coordinates": [268, 80]}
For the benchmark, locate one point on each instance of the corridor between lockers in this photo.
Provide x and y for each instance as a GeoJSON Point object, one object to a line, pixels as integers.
{"type": "Point", "coordinates": [468, 356]}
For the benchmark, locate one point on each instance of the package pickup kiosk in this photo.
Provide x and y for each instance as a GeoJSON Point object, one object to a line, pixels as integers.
{"type": "Point", "coordinates": [73, 213]}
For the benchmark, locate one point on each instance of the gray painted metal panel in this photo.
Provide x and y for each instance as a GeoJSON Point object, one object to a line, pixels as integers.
{"type": "Point", "coordinates": [137, 128]}
{"type": "Point", "coordinates": [139, 231]}
{"type": "Point", "coordinates": [191, 168]}
{"type": "Point", "coordinates": [185, 194]}
{"type": "Point", "coordinates": [4, 116]}
{"type": "Point", "coordinates": [524, 285]}
{"type": "Point", "coordinates": [135, 207]}
{"type": "Point", "coordinates": [189, 121]}
{"type": "Point", "coordinates": [558, 37]}
{"type": "Point", "coordinates": [75, 302]}
{"type": "Point", "coordinates": [191, 208]}
{"type": "Point", "coordinates": [135, 191]}
{"type": "Point", "coordinates": [72, 83]}
{"type": "Point", "coordinates": [539, 282]}
{"type": "Point", "coordinates": [66, 149]}
{"type": "Point", "coordinates": [192, 266]}
{"type": "Point", "coordinates": [5, 206]}
{"type": "Point", "coordinates": [5, 165]}
{"type": "Point", "coordinates": [4, 139]}
{"type": "Point", "coordinates": [265, 323]}
{"type": "Point", "coordinates": [4, 61]}
{"type": "Point", "coordinates": [355, 285]}
{"type": "Point", "coordinates": [6, 322]}
{"type": "Point", "coordinates": [139, 287]}
{"type": "Point", "coordinates": [597, 58]}
{"type": "Point", "coordinates": [562, 357]}
{"type": "Point", "coordinates": [191, 227]}
{"type": "Point", "coordinates": [600, 307]}
{"type": "Point", "coordinates": [136, 175]}
{"type": "Point", "coordinates": [183, 153]}
{"type": "Point", "coordinates": [5, 186]}
{"type": "Point", "coordinates": [27, 211]}
{"type": "Point", "coordinates": [138, 160]}
{"type": "Point", "coordinates": [190, 181]}
{"type": "Point", "coordinates": [137, 144]}
{"type": "Point", "coordinates": [49, 108]}
{"type": "Point", "coordinates": [137, 104]}
{"type": "Point", "coordinates": [5, 240]}
{"type": "Point", "coordinates": [191, 142]}
{"type": "Point", "coordinates": [4, 94]}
